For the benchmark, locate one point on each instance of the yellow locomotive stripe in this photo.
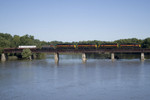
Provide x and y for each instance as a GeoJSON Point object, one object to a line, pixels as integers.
{"type": "Point", "coordinates": [65, 46]}
{"type": "Point", "coordinates": [95, 46]}
{"type": "Point", "coordinates": [86, 45]}
{"type": "Point", "coordinates": [129, 45]}
{"type": "Point", "coordinates": [108, 45]}
{"type": "Point", "coordinates": [117, 45]}
{"type": "Point", "coordinates": [75, 46]}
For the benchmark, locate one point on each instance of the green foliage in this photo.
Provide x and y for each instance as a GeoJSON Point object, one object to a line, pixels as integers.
{"type": "Point", "coordinates": [9, 41]}
{"type": "Point", "coordinates": [4, 43]}
{"type": "Point", "coordinates": [26, 53]}
{"type": "Point", "coordinates": [129, 41]}
{"type": "Point", "coordinates": [16, 41]}
{"type": "Point", "coordinates": [37, 43]}
{"type": "Point", "coordinates": [55, 42]}
{"type": "Point", "coordinates": [6, 36]}
{"type": "Point", "coordinates": [146, 43]}
{"type": "Point", "coordinates": [27, 40]}
{"type": "Point", "coordinates": [1, 51]}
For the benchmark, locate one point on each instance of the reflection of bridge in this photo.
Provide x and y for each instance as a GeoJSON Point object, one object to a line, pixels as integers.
{"type": "Point", "coordinates": [56, 52]}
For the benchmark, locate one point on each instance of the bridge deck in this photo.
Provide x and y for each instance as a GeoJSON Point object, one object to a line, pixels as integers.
{"type": "Point", "coordinates": [15, 50]}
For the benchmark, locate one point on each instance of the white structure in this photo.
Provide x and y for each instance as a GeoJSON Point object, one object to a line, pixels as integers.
{"type": "Point", "coordinates": [112, 56]}
{"type": "Point", "coordinates": [56, 57]}
{"type": "Point", "coordinates": [3, 57]}
{"type": "Point", "coordinates": [142, 57]}
{"type": "Point", "coordinates": [27, 46]}
{"type": "Point", "coordinates": [84, 57]}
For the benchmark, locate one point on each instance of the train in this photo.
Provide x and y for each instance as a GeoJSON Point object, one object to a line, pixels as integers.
{"type": "Point", "coordinates": [91, 46]}
{"type": "Point", "coordinates": [80, 46]}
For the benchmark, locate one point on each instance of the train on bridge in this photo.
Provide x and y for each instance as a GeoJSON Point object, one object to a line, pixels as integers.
{"type": "Point", "coordinates": [82, 48]}
{"type": "Point", "coordinates": [79, 46]}
{"type": "Point", "coordinates": [91, 46]}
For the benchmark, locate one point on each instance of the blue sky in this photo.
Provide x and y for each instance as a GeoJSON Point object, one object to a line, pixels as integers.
{"type": "Point", "coordinates": [76, 20]}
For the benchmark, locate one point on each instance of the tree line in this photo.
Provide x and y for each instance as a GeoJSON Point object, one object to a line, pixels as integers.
{"type": "Point", "coordinates": [9, 41]}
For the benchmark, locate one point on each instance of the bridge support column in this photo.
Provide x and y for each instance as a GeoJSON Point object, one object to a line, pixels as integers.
{"type": "Point", "coordinates": [84, 57]}
{"type": "Point", "coordinates": [142, 57]}
{"type": "Point", "coordinates": [30, 58]}
{"type": "Point", "coordinates": [56, 57]}
{"type": "Point", "coordinates": [3, 57]}
{"type": "Point", "coordinates": [34, 56]}
{"type": "Point", "coordinates": [112, 56]}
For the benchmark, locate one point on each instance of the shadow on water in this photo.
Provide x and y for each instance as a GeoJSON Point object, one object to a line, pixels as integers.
{"type": "Point", "coordinates": [117, 56]}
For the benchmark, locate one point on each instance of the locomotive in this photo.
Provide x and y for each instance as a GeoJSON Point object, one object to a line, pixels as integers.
{"type": "Point", "coordinates": [130, 46]}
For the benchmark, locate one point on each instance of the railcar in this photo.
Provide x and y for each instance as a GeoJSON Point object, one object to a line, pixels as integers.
{"type": "Point", "coordinates": [65, 46]}
{"type": "Point", "coordinates": [86, 46]}
{"type": "Point", "coordinates": [108, 46]}
{"type": "Point", "coordinates": [130, 46]}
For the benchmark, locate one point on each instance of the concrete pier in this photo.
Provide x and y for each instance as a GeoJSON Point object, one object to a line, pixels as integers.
{"type": "Point", "coordinates": [112, 56]}
{"type": "Point", "coordinates": [56, 57]}
{"type": "Point", "coordinates": [34, 56]}
{"type": "Point", "coordinates": [3, 57]}
{"type": "Point", "coordinates": [30, 58]}
{"type": "Point", "coordinates": [84, 57]}
{"type": "Point", "coordinates": [142, 57]}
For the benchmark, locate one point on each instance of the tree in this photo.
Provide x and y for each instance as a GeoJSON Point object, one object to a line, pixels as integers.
{"type": "Point", "coordinates": [4, 43]}
{"type": "Point", "coordinates": [6, 36]}
{"type": "Point", "coordinates": [16, 41]}
{"type": "Point", "coordinates": [26, 53]}
{"type": "Point", "coordinates": [146, 43]}
{"type": "Point", "coordinates": [27, 40]}
{"type": "Point", "coordinates": [1, 51]}
{"type": "Point", "coordinates": [129, 41]}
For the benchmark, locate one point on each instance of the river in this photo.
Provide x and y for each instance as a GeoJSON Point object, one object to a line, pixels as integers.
{"type": "Point", "coordinates": [98, 79]}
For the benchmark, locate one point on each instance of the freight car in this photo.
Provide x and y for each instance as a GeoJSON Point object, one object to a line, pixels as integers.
{"type": "Point", "coordinates": [108, 46]}
{"type": "Point", "coordinates": [65, 46]}
{"type": "Point", "coordinates": [86, 46]}
{"type": "Point", "coordinates": [129, 46]}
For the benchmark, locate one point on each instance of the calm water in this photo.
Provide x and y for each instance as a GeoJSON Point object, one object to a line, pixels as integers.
{"type": "Point", "coordinates": [98, 79]}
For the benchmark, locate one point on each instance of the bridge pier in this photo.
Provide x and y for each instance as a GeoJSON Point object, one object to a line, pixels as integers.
{"type": "Point", "coordinates": [56, 57]}
{"type": "Point", "coordinates": [30, 57]}
{"type": "Point", "coordinates": [142, 56]}
{"type": "Point", "coordinates": [112, 56]}
{"type": "Point", "coordinates": [34, 56]}
{"type": "Point", "coordinates": [84, 57]}
{"type": "Point", "coordinates": [3, 57]}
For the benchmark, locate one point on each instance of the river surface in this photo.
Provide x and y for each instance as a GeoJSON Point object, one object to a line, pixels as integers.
{"type": "Point", "coordinates": [98, 79]}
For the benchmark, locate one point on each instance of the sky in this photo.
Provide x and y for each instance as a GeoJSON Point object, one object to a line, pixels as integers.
{"type": "Point", "coordinates": [76, 20]}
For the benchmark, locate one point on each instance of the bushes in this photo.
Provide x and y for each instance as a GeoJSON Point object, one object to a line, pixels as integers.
{"type": "Point", "coordinates": [26, 54]}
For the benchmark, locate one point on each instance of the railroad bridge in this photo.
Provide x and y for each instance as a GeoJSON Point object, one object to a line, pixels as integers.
{"type": "Point", "coordinates": [82, 51]}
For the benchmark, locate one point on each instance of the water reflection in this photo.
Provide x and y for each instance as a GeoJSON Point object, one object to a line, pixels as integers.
{"type": "Point", "coordinates": [97, 79]}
